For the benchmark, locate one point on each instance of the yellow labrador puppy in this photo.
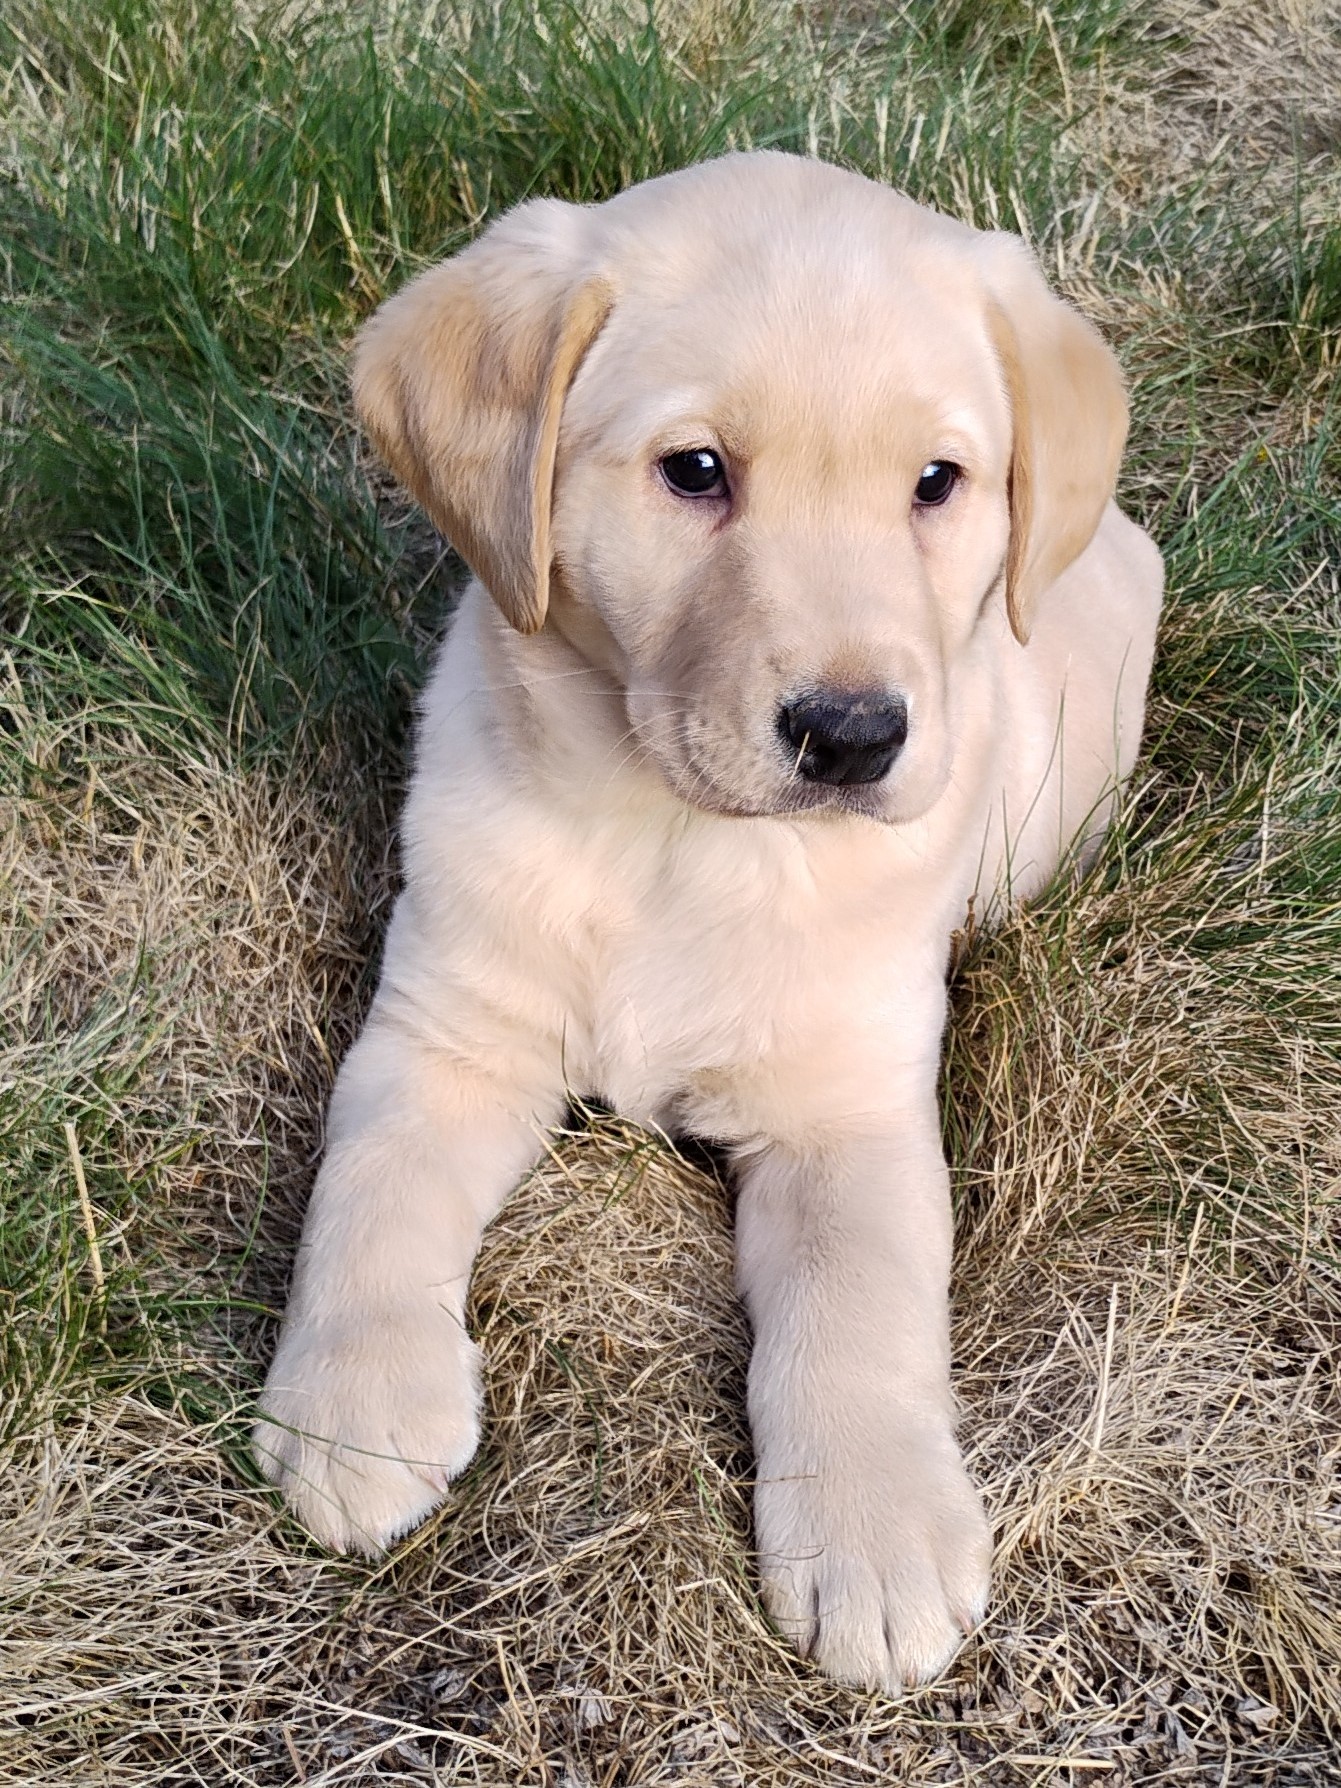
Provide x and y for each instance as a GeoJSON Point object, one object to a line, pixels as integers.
{"type": "Point", "coordinates": [802, 612]}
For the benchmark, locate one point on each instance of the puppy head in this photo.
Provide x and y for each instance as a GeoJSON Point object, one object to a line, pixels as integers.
{"type": "Point", "coordinates": [766, 442]}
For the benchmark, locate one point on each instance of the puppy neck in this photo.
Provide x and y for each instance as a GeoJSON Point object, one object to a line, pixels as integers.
{"type": "Point", "coordinates": [556, 704]}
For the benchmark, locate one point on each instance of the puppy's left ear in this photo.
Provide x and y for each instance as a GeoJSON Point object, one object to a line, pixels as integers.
{"type": "Point", "coordinates": [460, 380]}
{"type": "Point", "coordinates": [1069, 422]}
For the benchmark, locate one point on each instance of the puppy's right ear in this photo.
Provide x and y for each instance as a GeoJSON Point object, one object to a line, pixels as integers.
{"type": "Point", "coordinates": [460, 381]}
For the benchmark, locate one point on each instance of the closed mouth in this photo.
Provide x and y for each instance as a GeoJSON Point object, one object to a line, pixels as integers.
{"type": "Point", "coordinates": [695, 786]}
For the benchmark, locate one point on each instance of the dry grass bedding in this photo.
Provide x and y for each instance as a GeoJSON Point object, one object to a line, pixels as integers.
{"type": "Point", "coordinates": [212, 625]}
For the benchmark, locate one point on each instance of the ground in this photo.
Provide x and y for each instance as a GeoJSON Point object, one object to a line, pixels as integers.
{"type": "Point", "coordinates": [215, 611]}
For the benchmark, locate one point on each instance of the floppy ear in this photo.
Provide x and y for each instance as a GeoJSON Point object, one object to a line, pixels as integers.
{"type": "Point", "coordinates": [1069, 419]}
{"type": "Point", "coordinates": [460, 381]}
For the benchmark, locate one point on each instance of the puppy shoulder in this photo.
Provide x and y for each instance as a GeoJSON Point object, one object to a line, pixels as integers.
{"type": "Point", "coordinates": [1129, 557]}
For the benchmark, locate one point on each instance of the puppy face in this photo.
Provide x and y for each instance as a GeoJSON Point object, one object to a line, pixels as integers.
{"type": "Point", "coordinates": [762, 440]}
{"type": "Point", "coordinates": [832, 389]}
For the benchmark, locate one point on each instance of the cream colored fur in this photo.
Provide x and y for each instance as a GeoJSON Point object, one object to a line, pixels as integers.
{"type": "Point", "coordinates": [616, 884]}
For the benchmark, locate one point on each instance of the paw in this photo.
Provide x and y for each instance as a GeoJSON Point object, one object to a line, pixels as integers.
{"type": "Point", "coordinates": [365, 1424]}
{"type": "Point", "coordinates": [876, 1568]}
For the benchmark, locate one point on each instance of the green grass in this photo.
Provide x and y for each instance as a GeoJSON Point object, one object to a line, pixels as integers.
{"type": "Point", "coordinates": [215, 614]}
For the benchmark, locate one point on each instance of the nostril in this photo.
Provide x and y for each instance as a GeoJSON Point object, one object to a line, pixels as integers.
{"type": "Point", "coordinates": [844, 737]}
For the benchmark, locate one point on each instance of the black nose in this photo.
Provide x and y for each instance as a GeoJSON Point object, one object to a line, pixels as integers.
{"type": "Point", "coordinates": [844, 737]}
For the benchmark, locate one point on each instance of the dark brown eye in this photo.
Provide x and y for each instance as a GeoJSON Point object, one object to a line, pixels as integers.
{"type": "Point", "coordinates": [937, 481]}
{"type": "Point", "coordinates": [699, 472]}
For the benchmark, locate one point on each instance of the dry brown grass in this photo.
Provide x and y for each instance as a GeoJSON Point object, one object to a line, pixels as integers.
{"type": "Point", "coordinates": [1148, 1303]}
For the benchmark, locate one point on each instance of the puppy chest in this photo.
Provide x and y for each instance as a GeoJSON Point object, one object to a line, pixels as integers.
{"type": "Point", "coordinates": [668, 1008]}
{"type": "Point", "coordinates": [662, 960]}
{"type": "Point", "coordinates": [705, 994]}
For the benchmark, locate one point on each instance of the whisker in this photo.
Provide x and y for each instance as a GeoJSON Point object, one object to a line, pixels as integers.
{"type": "Point", "coordinates": [801, 751]}
{"type": "Point", "coordinates": [586, 670]}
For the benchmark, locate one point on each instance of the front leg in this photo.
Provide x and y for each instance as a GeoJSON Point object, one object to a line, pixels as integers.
{"type": "Point", "coordinates": [874, 1549]}
{"type": "Point", "coordinates": [372, 1403]}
